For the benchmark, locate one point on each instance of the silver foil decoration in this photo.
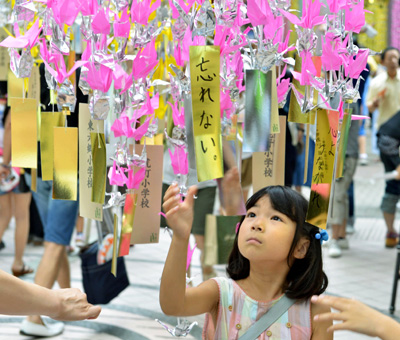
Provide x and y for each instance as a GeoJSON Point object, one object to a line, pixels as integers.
{"type": "Point", "coordinates": [86, 27]}
{"type": "Point", "coordinates": [83, 84]}
{"type": "Point", "coordinates": [24, 10]}
{"type": "Point", "coordinates": [21, 65]}
{"type": "Point", "coordinates": [50, 80]}
{"type": "Point", "coordinates": [306, 41]}
{"type": "Point", "coordinates": [60, 41]}
{"type": "Point", "coordinates": [279, 4]}
{"type": "Point", "coordinates": [120, 4]}
{"type": "Point", "coordinates": [116, 200]}
{"type": "Point", "coordinates": [99, 105]}
{"type": "Point", "coordinates": [205, 21]}
{"type": "Point", "coordinates": [153, 128]}
{"type": "Point", "coordinates": [182, 329]}
{"type": "Point", "coordinates": [66, 98]}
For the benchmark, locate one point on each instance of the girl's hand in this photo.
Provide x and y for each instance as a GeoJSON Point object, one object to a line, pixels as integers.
{"type": "Point", "coordinates": [355, 316]}
{"type": "Point", "coordinates": [179, 213]}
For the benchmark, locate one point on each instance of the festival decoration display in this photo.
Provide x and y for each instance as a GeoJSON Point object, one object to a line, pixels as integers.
{"type": "Point", "coordinates": [139, 54]}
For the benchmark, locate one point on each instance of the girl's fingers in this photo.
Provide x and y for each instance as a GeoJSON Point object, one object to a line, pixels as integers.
{"type": "Point", "coordinates": [171, 203]}
{"type": "Point", "coordinates": [192, 191]}
{"type": "Point", "coordinates": [331, 301]}
{"type": "Point", "coordinates": [329, 317]}
{"type": "Point", "coordinates": [171, 191]}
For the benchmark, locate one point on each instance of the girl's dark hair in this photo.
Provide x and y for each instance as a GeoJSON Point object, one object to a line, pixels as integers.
{"type": "Point", "coordinates": [305, 277]}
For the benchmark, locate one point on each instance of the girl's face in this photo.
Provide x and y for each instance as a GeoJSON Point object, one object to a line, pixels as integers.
{"type": "Point", "coordinates": [266, 234]}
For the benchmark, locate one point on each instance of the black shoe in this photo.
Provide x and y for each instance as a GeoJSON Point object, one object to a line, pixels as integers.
{"type": "Point", "coordinates": [2, 245]}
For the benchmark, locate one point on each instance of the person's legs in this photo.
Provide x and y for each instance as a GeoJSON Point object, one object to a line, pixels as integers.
{"type": "Point", "coordinates": [341, 209]}
{"type": "Point", "coordinates": [203, 205]}
{"type": "Point", "coordinates": [64, 273]}
{"type": "Point", "coordinates": [21, 213]}
{"type": "Point", "coordinates": [391, 196]}
{"type": "Point", "coordinates": [5, 213]}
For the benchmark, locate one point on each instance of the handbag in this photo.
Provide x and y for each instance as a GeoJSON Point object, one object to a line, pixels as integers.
{"type": "Point", "coordinates": [268, 318]}
{"type": "Point", "coordinates": [99, 284]}
{"type": "Point", "coordinates": [219, 236]}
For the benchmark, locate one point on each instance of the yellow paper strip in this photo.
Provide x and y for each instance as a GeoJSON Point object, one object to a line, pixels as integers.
{"type": "Point", "coordinates": [115, 241]}
{"type": "Point", "coordinates": [23, 132]}
{"type": "Point", "coordinates": [49, 121]}
{"type": "Point", "coordinates": [65, 171]}
{"type": "Point", "coordinates": [324, 159]}
{"type": "Point", "coordinates": [99, 158]}
{"type": "Point", "coordinates": [87, 125]}
{"type": "Point", "coordinates": [205, 85]}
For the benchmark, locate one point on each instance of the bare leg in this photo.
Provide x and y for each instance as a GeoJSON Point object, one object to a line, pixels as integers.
{"type": "Point", "coordinates": [339, 230]}
{"type": "Point", "coordinates": [389, 219]}
{"type": "Point", "coordinates": [48, 269]}
{"type": "Point", "coordinates": [5, 213]}
{"type": "Point", "coordinates": [64, 274]}
{"type": "Point", "coordinates": [21, 213]}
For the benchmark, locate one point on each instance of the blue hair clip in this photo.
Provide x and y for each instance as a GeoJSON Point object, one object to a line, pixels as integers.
{"type": "Point", "coordinates": [322, 236]}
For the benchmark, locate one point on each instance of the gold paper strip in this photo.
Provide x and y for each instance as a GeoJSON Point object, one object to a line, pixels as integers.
{"type": "Point", "coordinates": [23, 132]}
{"type": "Point", "coordinates": [99, 158]}
{"type": "Point", "coordinates": [269, 166]}
{"type": "Point", "coordinates": [115, 241]}
{"type": "Point", "coordinates": [146, 225]}
{"type": "Point", "coordinates": [49, 120]}
{"type": "Point", "coordinates": [205, 85]}
{"type": "Point", "coordinates": [33, 180]}
{"type": "Point", "coordinates": [127, 223]}
{"type": "Point", "coordinates": [295, 114]}
{"type": "Point", "coordinates": [87, 125]}
{"type": "Point", "coordinates": [65, 171]}
{"type": "Point", "coordinates": [324, 159]}
{"type": "Point", "coordinates": [342, 147]}
{"type": "Point", "coordinates": [15, 86]}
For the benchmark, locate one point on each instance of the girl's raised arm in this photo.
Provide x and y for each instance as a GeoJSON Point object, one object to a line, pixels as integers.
{"type": "Point", "coordinates": [175, 299]}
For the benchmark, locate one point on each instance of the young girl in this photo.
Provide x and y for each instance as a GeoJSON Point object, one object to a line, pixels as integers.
{"type": "Point", "coordinates": [275, 253]}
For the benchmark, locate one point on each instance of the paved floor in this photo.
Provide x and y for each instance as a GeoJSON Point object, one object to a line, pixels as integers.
{"type": "Point", "coordinates": [364, 272]}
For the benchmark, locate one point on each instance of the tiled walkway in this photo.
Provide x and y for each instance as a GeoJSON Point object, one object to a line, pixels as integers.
{"type": "Point", "coordinates": [365, 272]}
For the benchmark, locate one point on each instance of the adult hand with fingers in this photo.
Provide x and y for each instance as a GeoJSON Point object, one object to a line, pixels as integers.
{"type": "Point", "coordinates": [73, 305]}
{"type": "Point", "coordinates": [357, 317]}
{"type": "Point", "coordinates": [179, 212]}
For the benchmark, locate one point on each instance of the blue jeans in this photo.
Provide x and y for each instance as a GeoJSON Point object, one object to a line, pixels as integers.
{"type": "Point", "coordinates": [58, 216]}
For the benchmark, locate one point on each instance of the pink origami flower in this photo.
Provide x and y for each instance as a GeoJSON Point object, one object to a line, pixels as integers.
{"type": "Point", "coordinates": [100, 23]}
{"type": "Point", "coordinates": [179, 161]}
{"type": "Point", "coordinates": [355, 66]}
{"type": "Point", "coordinates": [310, 17]}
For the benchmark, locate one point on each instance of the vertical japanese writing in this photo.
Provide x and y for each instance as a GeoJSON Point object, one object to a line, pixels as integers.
{"type": "Point", "coordinates": [146, 187]}
{"type": "Point", "coordinates": [89, 154]}
{"type": "Point", "coordinates": [269, 157]}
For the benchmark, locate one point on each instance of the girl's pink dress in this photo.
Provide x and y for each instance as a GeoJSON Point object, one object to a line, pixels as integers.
{"type": "Point", "coordinates": [237, 312]}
